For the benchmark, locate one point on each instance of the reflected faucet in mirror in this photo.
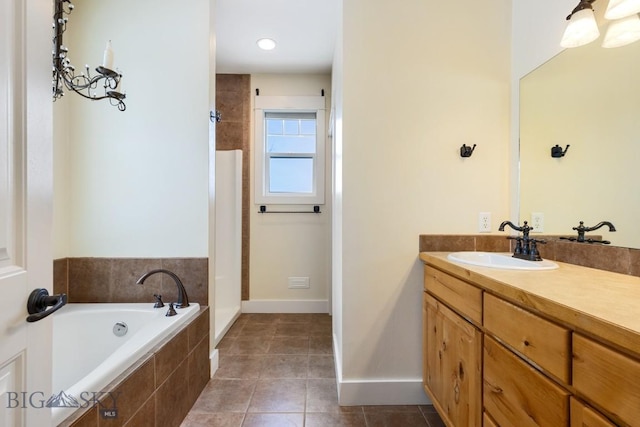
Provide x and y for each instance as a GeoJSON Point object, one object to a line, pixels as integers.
{"type": "Point", "coordinates": [581, 229]}
{"type": "Point", "coordinates": [183, 299]}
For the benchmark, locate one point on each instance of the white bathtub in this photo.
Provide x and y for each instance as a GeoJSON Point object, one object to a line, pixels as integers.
{"type": "Point", "coordinates": [87, 355]}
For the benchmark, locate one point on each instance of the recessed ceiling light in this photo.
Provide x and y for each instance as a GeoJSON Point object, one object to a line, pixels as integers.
{"type": "Point", "coordinates": [266, 44]}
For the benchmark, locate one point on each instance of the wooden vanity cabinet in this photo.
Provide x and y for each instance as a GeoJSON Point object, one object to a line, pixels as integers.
{"type": "Point", "coordinates": [487, 421]}
{"type": "Point", "coordinates": [540, 341]}
{"type": "Point", "coordinates": [489, 362]}
{"type": "Point", "coordinates": [516, 394]}
{"type": "Point", "coordinates": [607, 377]}
{"type": "Point", "coordinates": [584, 416]}
{"type": "Point", "coordinates": [452, 364]}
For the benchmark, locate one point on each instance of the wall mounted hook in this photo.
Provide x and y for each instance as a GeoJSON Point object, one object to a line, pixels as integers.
{"type": "Point", "coordinates": [466, 151]}
{"type": "Point", "coordinates": [557, 151]}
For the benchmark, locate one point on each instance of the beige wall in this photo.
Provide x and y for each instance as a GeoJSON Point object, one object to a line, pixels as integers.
{"type": "Point", "coordinates": [135, 183]}
{"type": "Point", "coordinates": [413, 90]}
{"type": "Point", "coordinates": [587, 98]}
{"type": "Point", "coordinates": [290, 245]}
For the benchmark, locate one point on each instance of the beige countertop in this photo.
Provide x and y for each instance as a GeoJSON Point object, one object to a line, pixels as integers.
{"type": "Point", "coordinates": [597, 303]}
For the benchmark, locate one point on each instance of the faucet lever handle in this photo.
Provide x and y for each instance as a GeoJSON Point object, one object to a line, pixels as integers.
{"type": "Point", "coordinates": [159, 303]}
{"type": "Point", "coordinates": [171, 311]}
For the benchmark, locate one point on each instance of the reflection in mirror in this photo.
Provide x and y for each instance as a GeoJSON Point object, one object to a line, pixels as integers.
{"type": "Point", "coordinates": [589, 98]}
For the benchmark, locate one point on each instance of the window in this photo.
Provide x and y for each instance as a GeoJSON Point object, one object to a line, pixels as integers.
{"type": "Point", "coordinates": [289, 150]}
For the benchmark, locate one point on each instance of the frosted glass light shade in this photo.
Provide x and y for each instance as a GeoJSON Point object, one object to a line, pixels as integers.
{"type": "Point", "coordinates": [581, 29]}
{"type": "Point", "coordinates": [621, 8]}
{"type": "Point", "coordinates": [622, 32]}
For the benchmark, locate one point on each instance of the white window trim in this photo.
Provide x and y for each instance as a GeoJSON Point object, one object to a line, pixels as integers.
{"type": "Point", "coordinates": [307, 104]}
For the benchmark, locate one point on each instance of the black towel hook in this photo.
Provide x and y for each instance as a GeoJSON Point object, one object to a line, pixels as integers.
{"type": "Point", "coordinates": [466, 151]}
{"type": "Point", "coordinates": [557, 151]}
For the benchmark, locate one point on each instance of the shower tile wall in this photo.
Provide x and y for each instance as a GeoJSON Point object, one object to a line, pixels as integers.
{"type": "Point", "coordinates": [114, 279]}
{"type": "Point", "coordinates": [233, 132]}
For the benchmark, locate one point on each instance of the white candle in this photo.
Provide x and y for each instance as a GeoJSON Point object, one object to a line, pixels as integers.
{"type": "Point", "coordinates": [107, 59]}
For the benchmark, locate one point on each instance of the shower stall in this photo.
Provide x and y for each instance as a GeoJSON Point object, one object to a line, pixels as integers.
{"type": "Point", "coordinates": [228, 240]}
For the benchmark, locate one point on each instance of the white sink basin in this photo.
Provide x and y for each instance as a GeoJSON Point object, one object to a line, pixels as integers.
{"type": "Point", "coordinates": [500, 260]}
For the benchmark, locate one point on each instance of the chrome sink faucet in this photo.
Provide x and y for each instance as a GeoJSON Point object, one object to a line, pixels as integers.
{"type": "Point", "coordinates": [183, 299]}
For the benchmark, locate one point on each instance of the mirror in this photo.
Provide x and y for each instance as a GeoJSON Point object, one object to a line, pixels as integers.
{"type": "Point", "coordinates": [588, 98]}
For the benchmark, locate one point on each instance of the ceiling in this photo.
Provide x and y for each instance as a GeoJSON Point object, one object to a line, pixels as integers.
{"type": "Point", "coordinates": [304, 30]}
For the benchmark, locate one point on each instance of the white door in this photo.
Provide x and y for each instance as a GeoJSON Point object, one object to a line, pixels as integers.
{"type": "Point", "coordinates": [25, 208]}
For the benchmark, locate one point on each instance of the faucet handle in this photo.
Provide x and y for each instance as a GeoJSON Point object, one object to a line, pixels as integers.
{"type": "Point", "coordinates": [159, 303]}
{"type": "Point", "coordinates": [171, 311]}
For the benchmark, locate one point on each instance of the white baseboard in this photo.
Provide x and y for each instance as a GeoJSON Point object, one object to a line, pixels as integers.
{"type": "Point", "coordinates": [285, 306]}
{"type": "Point", "coordinates": [214, 359]}
{"type": "Point", "coordinates": [361, 392]}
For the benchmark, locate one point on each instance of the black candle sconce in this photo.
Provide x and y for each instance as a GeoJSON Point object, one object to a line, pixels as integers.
{"type": "Point", "coordinates": [466, 151]}
{"type": "Point", "coordinates": [557, 151]}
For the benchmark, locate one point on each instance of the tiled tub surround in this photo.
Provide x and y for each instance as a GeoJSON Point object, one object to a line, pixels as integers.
{"type": "Point", "coordinates": [114, 279]}
{"type": "Point", "coordinates": [603, 257]}
{"type": "Point", "coordinates": [160, 388]}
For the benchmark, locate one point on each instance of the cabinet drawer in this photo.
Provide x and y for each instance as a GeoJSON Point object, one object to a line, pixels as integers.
{"type": "Point", "coordinates": [608, 378]}
{"type": "Point", "coordinates": [515, 394]}
{"type": "Point", "coordinates": [544, 343]}
{"type": "Point", "coordinates": [584, 416]}
{"type": "Point", "coordinates": [466, 299]}
{"type": "Point", "coordinates": [487, 421]}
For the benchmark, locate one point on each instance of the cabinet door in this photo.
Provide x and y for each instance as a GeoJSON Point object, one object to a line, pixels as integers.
{"type": "Point", "coordinates": [517, 395]}
{"type": "Point", "coordinates": [452, 364]}
{"type": "Point", "coordinates": [584, 416]}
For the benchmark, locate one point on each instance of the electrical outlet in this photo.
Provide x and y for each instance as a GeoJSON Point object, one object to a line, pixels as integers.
{"type": "Point", "coordinates": [537, 222]}
{"type": "Point", "coordinates": [484, 222]}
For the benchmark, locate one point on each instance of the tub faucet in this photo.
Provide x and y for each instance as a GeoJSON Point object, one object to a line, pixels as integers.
{"type": "Point", "coordinates": [183, 299]}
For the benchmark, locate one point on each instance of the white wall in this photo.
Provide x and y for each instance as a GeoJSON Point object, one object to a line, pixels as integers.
{"type": "Point", "coordinates": [414, 88]}
{"type": "Point", "coordinates": [290, 245]}
{"type": "Point", "coordinates": [137, 181]}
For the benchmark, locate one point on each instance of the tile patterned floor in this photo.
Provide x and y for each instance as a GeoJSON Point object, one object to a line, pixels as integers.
{"type": "Point", "coordinates": [278, 370]}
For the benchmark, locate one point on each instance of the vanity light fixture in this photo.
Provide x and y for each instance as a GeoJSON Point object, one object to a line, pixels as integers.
{"type": "Point", "coordinates": [266, 44]}
{"type": "Point", "coordinates": [84, 84]}
{"type": "Point", "coordinates": [623, 29]}
{"type": "Point", "coordinates": [622, 32]}
{"type": "Point", "coordinates": [582, 27]}
{"type": "Point", "coordinates": [622, 8]}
